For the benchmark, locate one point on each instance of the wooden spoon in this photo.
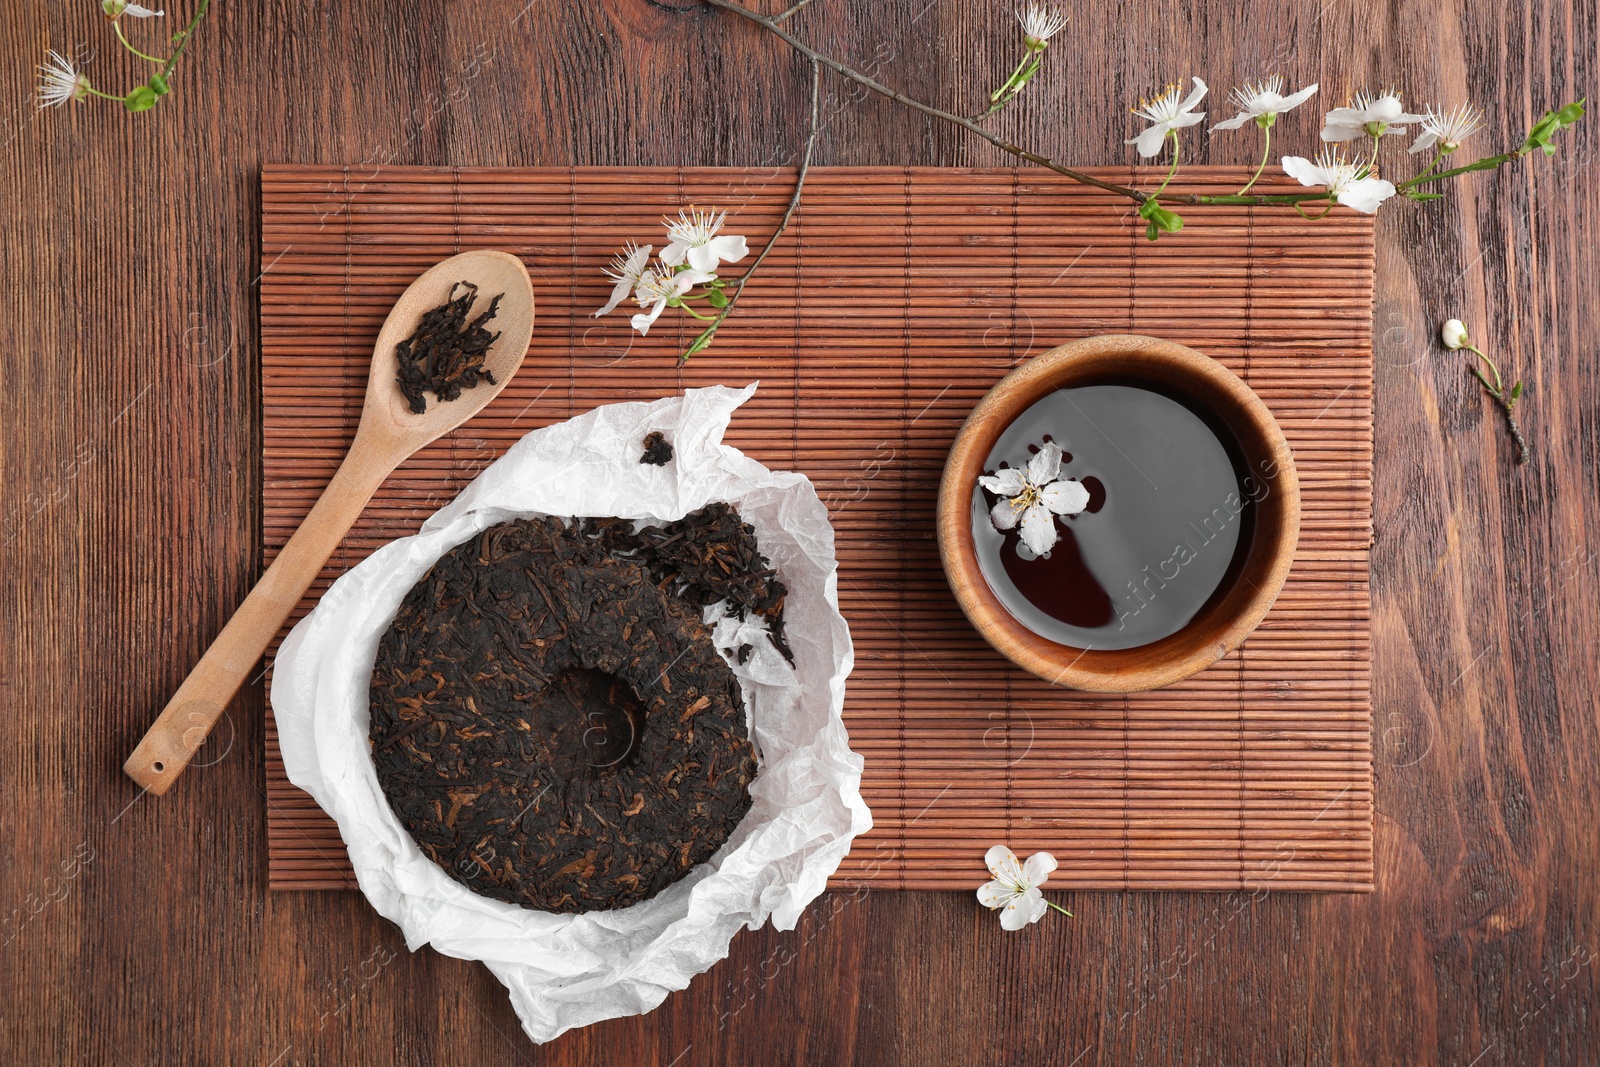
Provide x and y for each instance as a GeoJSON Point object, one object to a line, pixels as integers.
{"type": "Point", "coordinates": [387, 435]}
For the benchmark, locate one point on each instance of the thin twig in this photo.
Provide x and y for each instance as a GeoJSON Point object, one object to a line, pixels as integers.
{"type": "Point", "coordinates": [917, 105]}
{"type": "Point", "coordinates": [790, 10]}
{"type": "Point", "coordinates": [705, 336]}
{"type": "Point", "coordinates": [1505, 409]}
{"type": "Point", "coordinates": [1516, 431]}
{"type": "Point", "coordinates": [772, 26]}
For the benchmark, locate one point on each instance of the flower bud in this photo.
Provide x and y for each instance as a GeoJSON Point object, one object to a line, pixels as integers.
{"type": "Point", "coordinates": [115, 9]}
{"type": "Point", "coordinates": [1454, 335]}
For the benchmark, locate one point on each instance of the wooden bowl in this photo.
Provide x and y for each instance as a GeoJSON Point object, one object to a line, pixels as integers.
{"type": "Point", "coordinates": [1269, 478]}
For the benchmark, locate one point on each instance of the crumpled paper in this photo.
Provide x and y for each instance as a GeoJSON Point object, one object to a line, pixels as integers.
{"type": "Point", "coordinates": [564, 971]}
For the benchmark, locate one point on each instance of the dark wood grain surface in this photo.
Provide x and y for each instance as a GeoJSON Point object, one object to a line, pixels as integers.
{"type": "Point", "coordinates": [140, 931]}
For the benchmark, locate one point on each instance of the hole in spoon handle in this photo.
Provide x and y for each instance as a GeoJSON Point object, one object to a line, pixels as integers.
{"type": "Point", "coordinates": [171, 742]}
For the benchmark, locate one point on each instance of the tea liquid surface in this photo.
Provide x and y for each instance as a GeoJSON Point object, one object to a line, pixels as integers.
{"type": "Point", "coordinates": [1165, 523]}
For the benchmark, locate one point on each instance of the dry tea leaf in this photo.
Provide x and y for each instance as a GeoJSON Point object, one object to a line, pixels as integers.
{"type": "Point", "coordinates": [706, 556]}
{"type": "Point", "coordinates": [446, 352]}
{"type": "Point", "coordinates": [550, 720]}
{"type": "Point", "coordinates": [657, 449]}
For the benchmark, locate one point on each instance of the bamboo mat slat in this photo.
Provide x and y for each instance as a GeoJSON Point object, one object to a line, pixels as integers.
{"type": "Point", "coordinates": [896, 300]}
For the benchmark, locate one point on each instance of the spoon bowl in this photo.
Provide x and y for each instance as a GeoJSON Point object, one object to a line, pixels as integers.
{"type": "Point", "coordinates": [389, 432]}
{"type": "Point", "coordinates": [385, 410]}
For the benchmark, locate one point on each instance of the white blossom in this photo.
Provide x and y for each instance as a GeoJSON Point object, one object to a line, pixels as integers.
{"type": "Point", "coordinates": [1447, 129]}
{"type": "Point", "coordinates": [624, 272]}
{"type": "Point", "coordinates": [1264, 101]}
{"type": "Point", "coordinates": [1454, 335]}
{"type": "Point", "coordinates": [1369, 116]}
{"type": "Point", "coordinates": [60, 81]}
{"type": "Point", "coordinates": [1034, 497]}
{"type": "Point", "coordinates": [693, 236]}
{"type": "Point", "coordinates": [1040, 22]}
{"type": "Point", "coordinates": [1351, 184]}
{"type": "Point", "coordinates": [1167, 113]}
{"type": "Point", "coordinates": [659, 286]}
{"type": "Point", "coordinates": [1015, 889]}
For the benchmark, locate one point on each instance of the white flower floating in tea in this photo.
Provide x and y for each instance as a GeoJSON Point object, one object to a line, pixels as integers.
{"type": "Point", "coordinates": [1014, 893]}
{"type": "Point", "coordinates": [1034, 497]}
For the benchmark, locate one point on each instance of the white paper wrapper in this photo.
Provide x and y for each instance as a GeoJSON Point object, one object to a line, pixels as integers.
{"type": "Point", "coordinates": [571, 970]}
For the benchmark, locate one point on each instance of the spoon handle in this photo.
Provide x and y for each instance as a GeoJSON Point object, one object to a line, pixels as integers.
{"type": "Point", "coordinates": [188, 717]}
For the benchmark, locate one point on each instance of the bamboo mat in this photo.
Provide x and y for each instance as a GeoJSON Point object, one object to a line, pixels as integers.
{"type": "Point", "coordinates": [897, 299]}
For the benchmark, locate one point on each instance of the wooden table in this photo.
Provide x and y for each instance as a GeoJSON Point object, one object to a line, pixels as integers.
{"type": "Point", "coordinates": [140, 931]}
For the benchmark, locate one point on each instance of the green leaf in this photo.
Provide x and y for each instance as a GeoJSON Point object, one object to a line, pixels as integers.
{"type": "Point", "coordinates": [1516, 392]}
{"type": "Point", "coordinates": [141, 99]}
{"type": "Point", "coordinates": [1552, 123]}
{"type": "Point", "coordinates": [1151, 232]}
{"type": "Point", "coordinates": [1159, 217]}
{"type": "Point", "coordinates": [717, 298]}
{"type": "Point", "coordinates": [158, 85]}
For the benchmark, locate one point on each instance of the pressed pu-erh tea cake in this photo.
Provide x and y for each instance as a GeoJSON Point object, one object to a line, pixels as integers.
{"type": "Point", "coordinates": [550, 719]}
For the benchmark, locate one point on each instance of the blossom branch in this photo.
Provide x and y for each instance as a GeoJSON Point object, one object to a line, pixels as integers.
{"type": "Point", "coordinates": [184, 35]}
{"type": "Point", "coordinates": [709, 332]}
{"type": "Point", "coordinates": [898, 97]}
{"type": "Point", "coordinates": [790, 11]}
{"type": "Point", "coordinates": [1040, 22]}
{"type": "Point", "coordinates": [1486, 163]}
{"type": "Point", "coordinates": [1352, 184]}
{"type": "Point", "coordinates": [1138, 197]}
{"type": "Point", "coordinates": [1454, 335]}
{"type": "Point", "coordinates": [61, 82]}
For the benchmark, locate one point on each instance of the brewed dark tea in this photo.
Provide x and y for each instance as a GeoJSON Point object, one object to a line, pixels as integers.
{"type": "Point", "coordinates": [1131, 500]}
{"type": "Point", "coordinates": [551, 721]}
